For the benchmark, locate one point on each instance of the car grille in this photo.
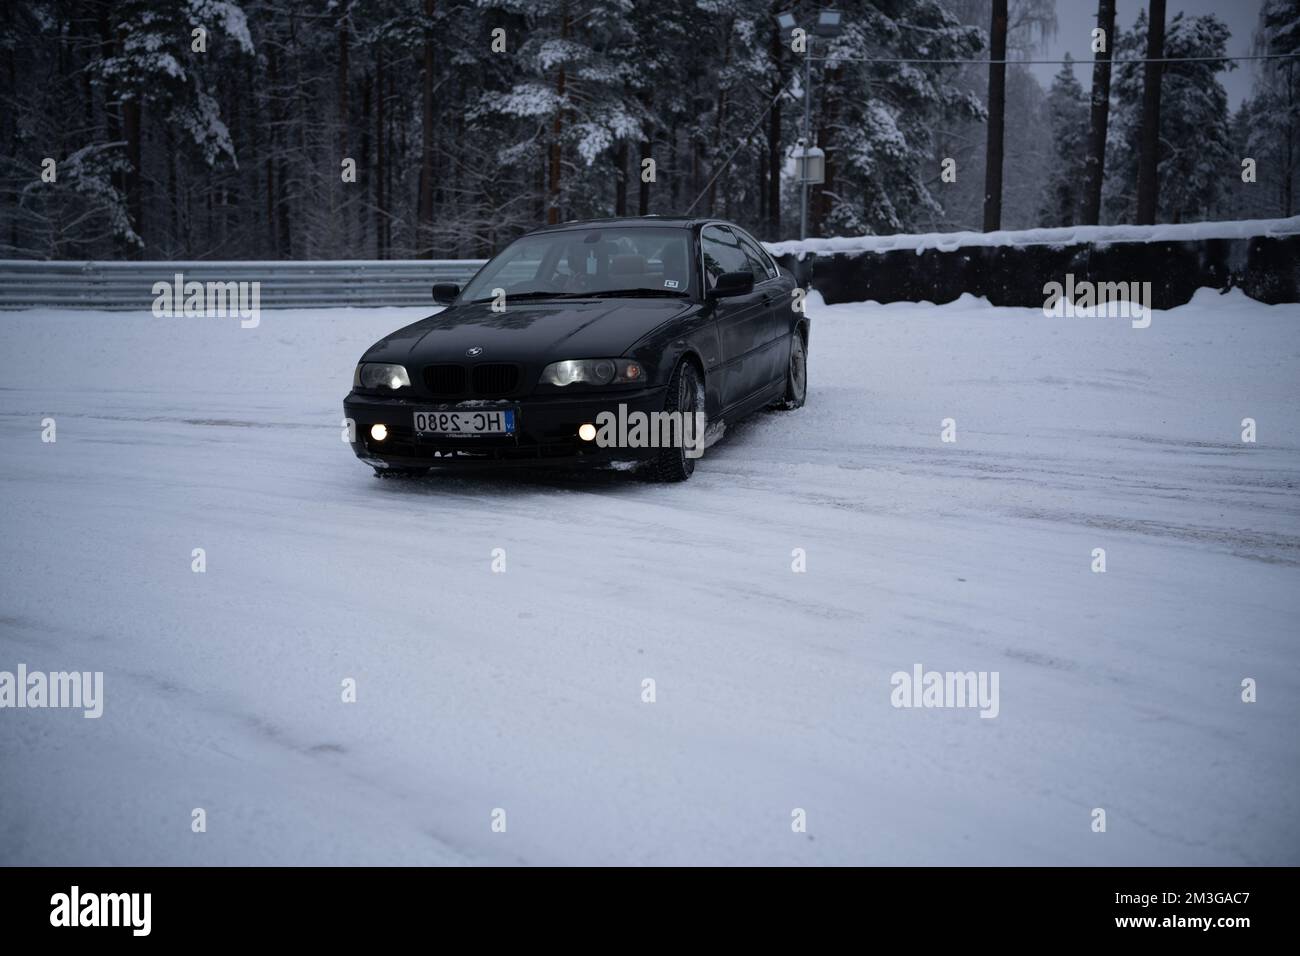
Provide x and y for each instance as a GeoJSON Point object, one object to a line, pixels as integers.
{"type": "Point", "coordinates": [495, 379]}
{"type": "Point", "coordinates": [445, 379]}
{"type": "Point", "coordinates": [490, 380]}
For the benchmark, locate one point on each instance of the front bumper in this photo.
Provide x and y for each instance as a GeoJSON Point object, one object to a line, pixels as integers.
{"type": "Point", "coordinates": [546, 431]}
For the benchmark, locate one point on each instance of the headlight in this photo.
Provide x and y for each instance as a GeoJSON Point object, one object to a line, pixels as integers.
{"type": "Point", "coordinates": [376, 375]}
{"type": "Point", "coordinates": [593, 372]}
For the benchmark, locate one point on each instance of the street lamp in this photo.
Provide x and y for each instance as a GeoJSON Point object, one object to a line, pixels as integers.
{"type": "Point", "coordinates": [828, 24]}
{"type": "Point", "coordinates": [810, 162]}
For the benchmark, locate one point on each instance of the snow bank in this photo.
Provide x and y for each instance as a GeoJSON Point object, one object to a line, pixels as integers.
{"type": "Point", "coordinates": [1065, 236]}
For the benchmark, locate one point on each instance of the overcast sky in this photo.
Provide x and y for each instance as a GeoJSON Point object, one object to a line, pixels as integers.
{"type": "Point", "coordinates": [1076, 19]}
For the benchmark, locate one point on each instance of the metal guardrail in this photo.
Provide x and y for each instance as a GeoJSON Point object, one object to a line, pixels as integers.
{"type": "Point", "coordinates": [26, 283]}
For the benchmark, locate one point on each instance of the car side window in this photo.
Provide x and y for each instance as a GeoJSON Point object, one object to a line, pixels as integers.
{"type": "Point", "coordinates": [758, 262]}
{"type": "Point", "coordinates": [755, 259]}
{"type": "Point", "coordinates": [722, 253]}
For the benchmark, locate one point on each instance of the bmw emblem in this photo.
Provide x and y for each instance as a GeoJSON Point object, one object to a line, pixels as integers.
{"type": "Point", "coordinates": [474, 351]}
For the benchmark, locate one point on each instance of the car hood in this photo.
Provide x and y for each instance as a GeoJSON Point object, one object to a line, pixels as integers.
{"type": "Point", "coordinates": [528, 332]}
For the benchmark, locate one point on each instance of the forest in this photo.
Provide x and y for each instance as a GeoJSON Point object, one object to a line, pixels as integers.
{"type": "Point", "coordinates": [373, 129]}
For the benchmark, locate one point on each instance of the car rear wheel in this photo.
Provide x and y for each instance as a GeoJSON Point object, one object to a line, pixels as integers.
{"type": "Point", "coordinates": [685, 395]}
{"type": "Point", "coordinates": [796, 374]}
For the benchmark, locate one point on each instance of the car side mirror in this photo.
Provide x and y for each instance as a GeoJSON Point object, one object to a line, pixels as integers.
{"type": "Point", "coordinates": [731, 284]}
{"type": "Point", "coordinates": [444, 293]}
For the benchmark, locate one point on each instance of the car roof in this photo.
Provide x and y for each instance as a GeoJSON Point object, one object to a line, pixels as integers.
{"type": "Point", "coordinates": [661, 222]}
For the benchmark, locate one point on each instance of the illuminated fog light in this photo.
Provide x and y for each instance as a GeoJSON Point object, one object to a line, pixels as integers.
{"type": "Point", "coordinates": [587, 432]}
{"type": "Point", "coordinates": [378, 432]}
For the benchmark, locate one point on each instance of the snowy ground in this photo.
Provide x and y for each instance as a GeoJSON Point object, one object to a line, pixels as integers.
{"type": "Point", "coordinates": [522, 690]}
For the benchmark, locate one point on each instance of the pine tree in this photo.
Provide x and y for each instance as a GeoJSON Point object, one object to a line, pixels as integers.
{"type": "Point", "coordinates": [163, 151]}
{"type": "Point", "coordinates": [1272, 113]}
{"type": "Point", "coordinates": [1067, 110]}
{"type": "Point", "coordinates": [1027, 144]}
{"type": "Point", "coordinates": [1195, 158]}
{"type": "Point", "coordinates": [876, 120]}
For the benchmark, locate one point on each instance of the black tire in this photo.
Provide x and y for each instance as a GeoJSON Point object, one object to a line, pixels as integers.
{"type": "Point", "coordinates": [796, 374]}
{"type": "Point", "coordinates": [686, 395]}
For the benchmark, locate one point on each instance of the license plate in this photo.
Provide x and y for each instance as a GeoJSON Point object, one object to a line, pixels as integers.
{"type": "Point", "coordinates": [488, 421]}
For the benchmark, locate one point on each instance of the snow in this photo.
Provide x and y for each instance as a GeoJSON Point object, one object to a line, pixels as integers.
{"type": "Point", "coordinates": [522, 690]}
{"type": "Point", "coordinates": [201, 119]}
{"type": "Point", "coordinates": [1061, 236]}
{"type": "Point", "coordinates": [527, 99]}
{"type": "Point", "coordinates": [556, 51]}
{"type": "Point", "coordinates": [232, 20]}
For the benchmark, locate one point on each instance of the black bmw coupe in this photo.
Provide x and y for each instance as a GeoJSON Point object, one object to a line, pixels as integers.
{"type": "Point", "coordinates": [617, 340]}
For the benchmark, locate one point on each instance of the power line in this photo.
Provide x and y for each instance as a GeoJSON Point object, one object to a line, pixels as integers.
{"type": "Point", "coordinates": [1167, 59]}
{"type": "Point", "coordinates": [748, 136]}
{"type": "Point", "coordinates": [844, 59]}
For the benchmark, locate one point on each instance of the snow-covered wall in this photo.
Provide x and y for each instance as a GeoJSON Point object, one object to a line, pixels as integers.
{"type": "Point", "coordinates": [1064, 236]}
{"type": "Point", "coordinates": [1260, 256]}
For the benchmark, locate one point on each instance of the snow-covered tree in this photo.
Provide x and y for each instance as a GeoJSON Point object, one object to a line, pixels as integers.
{"type": "Point", "coordinates": [573, 96]}
{"type": "Point", "coordinates": [404, 128]}
{"type": "Point", "coordinates": [1067, 110]}
{"type": "Point", "coordinates": [152, 66]}
{"type": "Point", "coordinates": [876, 119]}
{"type": "Point", "coordinates": [1270, 132]}
{"type": "Point", "coordinates": [1027, 143]}
{"type": "Point", "coordinates": [1196, 161]}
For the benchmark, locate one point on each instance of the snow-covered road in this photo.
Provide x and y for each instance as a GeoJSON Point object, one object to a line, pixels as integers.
{"type": "Point", "coordinates": [522, 690]}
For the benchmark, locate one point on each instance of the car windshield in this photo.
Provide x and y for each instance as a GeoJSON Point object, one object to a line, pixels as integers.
{"type": "Point", "coordinates": [609, 261]}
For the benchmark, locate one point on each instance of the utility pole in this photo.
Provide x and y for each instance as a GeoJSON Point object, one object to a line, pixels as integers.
{"type": "Point", "coordinates": [811, 167]}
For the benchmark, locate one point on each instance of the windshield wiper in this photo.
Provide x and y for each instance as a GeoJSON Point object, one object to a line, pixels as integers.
{"type": "Point", "coordinates": [536, 294]}
{"type": "Point", "coordinates": [603, 294]}
{"type": "Point", "coordinates": [634, 293]}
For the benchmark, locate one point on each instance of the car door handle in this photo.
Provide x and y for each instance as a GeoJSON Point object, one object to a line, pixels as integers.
{"type": "Point", "coordinates": [769, 298]}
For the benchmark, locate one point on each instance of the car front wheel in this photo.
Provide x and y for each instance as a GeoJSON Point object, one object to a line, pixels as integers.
{"type": "Point", "coordinates": [685, 395]}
